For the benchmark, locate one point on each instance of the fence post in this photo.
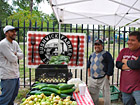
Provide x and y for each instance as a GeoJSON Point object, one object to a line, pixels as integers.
{"type": "Point", "coordinates": [113, 53]}
{"type": "Point", "coordinates": [76, 69]}
{"type": "Point", "coordinates": [0, 30]}
{"type": "Point", "coordinates": [53, 25]}
{"type": "Point", "coordinates": [87, 54]}
{"type": "Point", "coordinates": [30, 28]}
{"type": "Point", "coordinates": [93, 39]}
{"type": "Point", "coordinates": [18, 32]}
{"type": "Point", "coordinates": [109, 40]}
{"type": "Point", "coordinates": [41, 25]}
{"type": "Point", "coordinates": [36, 25]}
{"type": "Point", "coordinates": [24, 51]}
{"type": "Point", "coordinates": [47, 25]}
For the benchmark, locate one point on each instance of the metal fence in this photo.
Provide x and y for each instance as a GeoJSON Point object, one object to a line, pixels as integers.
{"type": "Point", "coordinates": [114, 40]}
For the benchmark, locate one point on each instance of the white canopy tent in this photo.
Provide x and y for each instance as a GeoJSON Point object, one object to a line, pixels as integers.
{"type": "Point", "coordinates": [116, 13]}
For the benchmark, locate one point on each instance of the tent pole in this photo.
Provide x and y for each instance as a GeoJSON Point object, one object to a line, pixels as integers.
{"type": "Point", "coordinates": [59, 39]}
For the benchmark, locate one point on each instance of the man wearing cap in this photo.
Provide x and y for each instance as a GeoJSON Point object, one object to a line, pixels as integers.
{"type": "Point", "coordinates": [10, 52]}
{"type": "Point", "coordinates": [100, 68]}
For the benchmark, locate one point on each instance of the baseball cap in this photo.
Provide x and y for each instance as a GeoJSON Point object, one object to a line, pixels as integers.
{"type": "Point", "coordinates": [98, 41]}
{"type": "Point", "coordinates": [8, 28]}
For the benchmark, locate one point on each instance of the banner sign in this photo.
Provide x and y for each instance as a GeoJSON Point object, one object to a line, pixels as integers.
{"type": "Point", "coordinates": [42, 45]}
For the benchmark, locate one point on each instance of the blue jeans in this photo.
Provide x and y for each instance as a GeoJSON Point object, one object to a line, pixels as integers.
{"type": "Point", "coordinates": [131, 98]}
{"type": "Point", "coordinates": [9, 88]}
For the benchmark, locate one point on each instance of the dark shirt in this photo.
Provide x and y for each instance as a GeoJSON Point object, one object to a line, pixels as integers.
{"type": "Point", "coordinates": [100, 64]}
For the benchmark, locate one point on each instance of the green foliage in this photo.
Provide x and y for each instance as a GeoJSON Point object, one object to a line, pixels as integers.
{"type": "Point", "coordinates": [26, 4]}
{"type": "Point", "coordinates": [5, 9]}
{"type": "Point", "coordinates": [24, 18]}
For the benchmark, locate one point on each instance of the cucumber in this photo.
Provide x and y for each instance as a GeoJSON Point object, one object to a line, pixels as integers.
{"type": "Point", "coordinates": [35, 92]}
{"type": "Point", "coordinates": [67, 86]}
{"type": "Point", "coordinates": [53, 86]}
{"type": "Point", "coordinates": [64, 95]}
{"type": "Point", "coordinates": [47, 93]}
{"type": "Point", "coordinates": [61, 84]}
{"type": "Point", "coordinates": [36, 84]}
{"type": "Point", "coordinates": [51, 90]}
{"type": "Point", "coordinates": [67, 91]}
{"type": "Point", "coordinates": [40, 86]}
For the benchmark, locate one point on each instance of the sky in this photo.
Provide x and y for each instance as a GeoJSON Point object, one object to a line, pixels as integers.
{"type": "Point", "coordinates": [45, 7]}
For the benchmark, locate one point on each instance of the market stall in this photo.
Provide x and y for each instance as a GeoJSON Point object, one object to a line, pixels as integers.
{"type": "Point", "coordinates": [52, 66]}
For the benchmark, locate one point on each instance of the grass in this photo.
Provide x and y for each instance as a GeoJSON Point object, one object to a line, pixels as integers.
{"type": "Point", "coordinates": [21, 94]}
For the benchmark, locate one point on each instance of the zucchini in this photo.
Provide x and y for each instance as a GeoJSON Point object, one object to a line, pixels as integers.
{"type": "Point", "coordinates": [64, 95]}
{"type": "Point", "coordinates": [47, 93]}
{"type": "Point", "coordinates": [67, 86]}
{"type": "Point", "coordinates": [61, 84]}
{"type": "Point", "coordinates": [67, 91]}
{"type": "Point", "coordinates": [35, 92]}
{"type": "Point", "coordinates": [51, 90]}
{"type": "Point", "coordinates": [40, 86]}
{"type": "Point", "coordinates": [36, 84]}
{"type": "Point", "coordinates": [53, 86]}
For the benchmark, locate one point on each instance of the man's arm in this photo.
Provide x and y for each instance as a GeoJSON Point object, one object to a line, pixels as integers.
{"type": "Point", "coordinates": [88, 71]}
{"type": "Point", "coordinates": [133, 64]}
{"type": "Point", "coordinates": [122, 65]}
{"type": "Point", "coordinates": [110, 63]}
{"type": "Point", "coordinates": [19, 53]}
{"type": "Point", "coordinates": [88, 65]}
{"type": "Point", "coordinates": [8, 53]}
{"type": "Point", "coordinates": [119, 64]}
{"type": "Point", "coordinates": [125, 67]}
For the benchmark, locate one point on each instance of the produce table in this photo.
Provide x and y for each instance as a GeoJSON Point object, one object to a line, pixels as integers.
{"type": "Point", "coordinates": [83, 99]}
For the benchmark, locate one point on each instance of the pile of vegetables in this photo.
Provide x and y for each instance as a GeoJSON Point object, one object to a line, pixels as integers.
{"type": "Point", "coordinates": [61, 89]}
{"type": "Point", "coordinates": [50, 100]}
{"type": "Point", "coordinates": [50, 94]}
{"type": "Point", "coordinates": [60, 59]}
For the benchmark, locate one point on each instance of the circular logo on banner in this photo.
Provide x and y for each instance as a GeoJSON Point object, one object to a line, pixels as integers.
{"type": "Point", "coordinates": [49, 46]}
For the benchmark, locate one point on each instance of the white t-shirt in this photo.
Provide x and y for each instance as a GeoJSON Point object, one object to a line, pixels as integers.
{"type": "Point", "coordinates": [9, 68]}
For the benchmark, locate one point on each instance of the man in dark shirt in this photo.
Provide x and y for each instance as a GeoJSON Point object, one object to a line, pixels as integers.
{"type": "Point", "coordinates": [100, 66]}
{"type": "Point", "coordinates": [129, 63]}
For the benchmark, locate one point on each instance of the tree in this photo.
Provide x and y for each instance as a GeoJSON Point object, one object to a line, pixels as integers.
{"type": "Point", "coordinates": [5, 9]}
{"type": "Point", "coordinates": [26, 4]}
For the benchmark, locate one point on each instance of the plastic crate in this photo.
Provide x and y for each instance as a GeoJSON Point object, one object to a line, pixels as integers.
{"type": "Point", "coordinates": [114, 93]}
{"type": "Point", "coordinates": [51, 73]}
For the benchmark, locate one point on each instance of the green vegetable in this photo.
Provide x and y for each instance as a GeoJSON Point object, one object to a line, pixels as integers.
{"type": "Point", "coordinates": [35, 92]}
{"type": "Point", "coordinates": [51, 90]}
{"type": "Point", "coordinates": [47, 93]}
{"type": "Point", "coordinates": [61, 84]}
{"type": "Point", "coordinates": [67, 86]}
{"type": "Point", "coordinates": [59, 59]}
{"type": "Point", "coordinates": [64, 95]}
{"type": "Point", "coordinates": [53, 86]}
{"type": "Point", "coordinates": [23, 99]}
{"type": "Point", "coordinates": [40, 85]}
{"type": "Point", "coordinates": [67, 91]}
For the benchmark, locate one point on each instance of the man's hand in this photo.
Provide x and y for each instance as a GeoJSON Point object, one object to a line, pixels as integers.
{"type": "Point", "coordinates": [108, 77]}
{"type": "Point", "coordinates": [124, 61]}
{"type": "Point", "coordinates": [15, 53]}
{"type": "Point", "coordinates": [88, 72]}
{"type": "Point", "coordinates": [125, 67]}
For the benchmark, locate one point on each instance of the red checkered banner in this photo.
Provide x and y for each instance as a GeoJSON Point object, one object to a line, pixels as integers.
{"type": "Point", "coordinates": [37, 39]}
